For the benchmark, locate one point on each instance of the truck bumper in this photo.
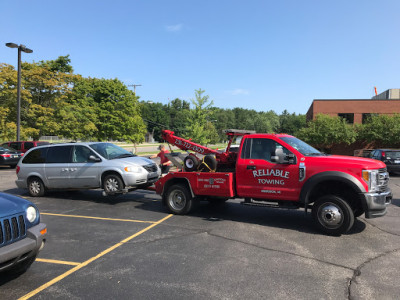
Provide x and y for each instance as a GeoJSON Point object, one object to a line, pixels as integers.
{"type": "Point", "coordinates": [376, 203]}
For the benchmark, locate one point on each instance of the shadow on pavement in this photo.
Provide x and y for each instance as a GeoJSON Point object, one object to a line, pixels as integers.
{"type": "Point", "coordinates": [291, 219]}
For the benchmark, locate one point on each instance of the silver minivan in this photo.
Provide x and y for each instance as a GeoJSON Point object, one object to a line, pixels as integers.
{"type": "Point", "coordinates": [84, 166]}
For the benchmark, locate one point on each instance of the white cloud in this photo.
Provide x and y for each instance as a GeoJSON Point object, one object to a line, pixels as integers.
{"type": "Point", "coordinates": [236, 92]}
{"type": "Point", "coordinates": [174, 28]}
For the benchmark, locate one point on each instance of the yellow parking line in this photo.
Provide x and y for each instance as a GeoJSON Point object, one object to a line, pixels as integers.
{"type": "Point", "coordinates": [90, 260]}
{"type": "Point", "coordinates": [97, 218]}
{"type": "Point", "coordinates": [61, 262]}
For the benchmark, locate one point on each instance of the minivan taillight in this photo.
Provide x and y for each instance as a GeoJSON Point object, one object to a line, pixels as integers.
{"type": "Point", "coordinates": [17, 169]}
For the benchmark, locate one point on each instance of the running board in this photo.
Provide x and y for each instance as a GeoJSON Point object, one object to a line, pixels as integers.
{"type": "Point", "coordinates": [266, 204]}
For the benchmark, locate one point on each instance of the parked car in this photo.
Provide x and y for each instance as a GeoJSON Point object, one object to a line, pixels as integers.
{"type": "Point", "coordinates": [391, 157]}
{"type": "Point", "coordinates": [22, 235]}
{"type": "Point", "coordinates": [9, 156]}
{"type": "Point", "coordinates": [84, 166]}
{"type": "Point", "coordinates": [24, 146]}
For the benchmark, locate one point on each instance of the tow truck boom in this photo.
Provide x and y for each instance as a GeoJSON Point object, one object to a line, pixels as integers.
{"type": "Point", "coordinates": [184, 144]}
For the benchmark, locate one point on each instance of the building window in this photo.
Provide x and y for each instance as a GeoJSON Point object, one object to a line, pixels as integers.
{"type": "Point", "coordinates": [367, 117]}
{"type": "Point", "coordinates": [348, 117]}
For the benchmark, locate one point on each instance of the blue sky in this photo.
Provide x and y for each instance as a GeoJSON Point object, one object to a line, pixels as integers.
{"type": "Point", "coordinates": [262, 55]}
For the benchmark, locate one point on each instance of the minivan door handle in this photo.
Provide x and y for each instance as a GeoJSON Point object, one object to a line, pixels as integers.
{"type": "Point", "coordinates": [251, 167]}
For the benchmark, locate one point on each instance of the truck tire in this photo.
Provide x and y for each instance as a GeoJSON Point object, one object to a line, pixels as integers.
{"type": "Point", "coordinates": [179, 200]}
{"type": "Point", "coordinates": [332, 215]}
{"type": "Point", "coordinates": [191, 163]}
{"type": "Point", "coordinates": [112, 184]}
{"type": "Point", "coordinates": [36, 187]}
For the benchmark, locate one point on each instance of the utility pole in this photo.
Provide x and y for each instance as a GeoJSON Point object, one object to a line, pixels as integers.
{"type": "Point", "coordinates": [134, 87]}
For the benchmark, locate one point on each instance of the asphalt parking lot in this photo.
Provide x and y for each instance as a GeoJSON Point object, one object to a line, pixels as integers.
{"type": "Point", "coordinates": [129, 247]}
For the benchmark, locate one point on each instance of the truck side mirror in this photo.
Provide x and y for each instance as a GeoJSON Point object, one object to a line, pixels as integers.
{"type": "Point", "coordinates": [282, 158]}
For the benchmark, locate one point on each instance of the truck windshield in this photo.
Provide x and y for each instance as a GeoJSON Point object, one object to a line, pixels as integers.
{"type": "Point", "coordinates": [301, 146]}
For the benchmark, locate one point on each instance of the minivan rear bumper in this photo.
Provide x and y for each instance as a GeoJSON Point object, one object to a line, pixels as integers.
{"type": "Point", "coordinates": [21, 183]}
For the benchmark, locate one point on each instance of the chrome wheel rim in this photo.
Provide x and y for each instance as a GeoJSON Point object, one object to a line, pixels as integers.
{"type": "Point", "coordinates": [330, 215]}
{"type": "Point", "coordinates": [35, 187]}
{"type": "Point", "coordinates": [177, 200]}
{"type": "Point", "coordinates": [112, 185]}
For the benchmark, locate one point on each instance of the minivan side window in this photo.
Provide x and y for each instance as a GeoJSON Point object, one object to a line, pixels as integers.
{"type": "Point", "coordinates": [28, 145]}
{"type": "Point", "coordinates": [59, 154]}
{"type": "Point", "coordinates": [81, 154]}
{"type": "Point", "coordinates": [37, 156]}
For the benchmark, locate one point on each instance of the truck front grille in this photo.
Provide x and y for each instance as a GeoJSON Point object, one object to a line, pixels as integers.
{"type": "Point", "coordinates": [383, 179]}
{"type": "Point", "coordinates": [150, 168]}
{"type": "Point", "coordinates": [12, 229]}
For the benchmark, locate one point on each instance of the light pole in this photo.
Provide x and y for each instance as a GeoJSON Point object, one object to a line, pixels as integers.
{"type": "Point", "coordinates": [26, 50]}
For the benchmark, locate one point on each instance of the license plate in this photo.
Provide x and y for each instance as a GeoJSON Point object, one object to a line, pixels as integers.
{"type": "Point", "coordinates": [397, 161]}
{"type": "Point", "coordinates": [15, 156]}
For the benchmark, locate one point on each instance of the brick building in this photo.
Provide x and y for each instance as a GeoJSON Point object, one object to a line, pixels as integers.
{"type": "Point", "coordinates": [357, 110]}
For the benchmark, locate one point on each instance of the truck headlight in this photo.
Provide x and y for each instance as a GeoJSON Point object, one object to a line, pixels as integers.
{"type": "Point", "coordinates": [134, 169]}
{"type": "Point", "coordinates": [371, 178]}
{"type": "Point", "coordinates": [31, 214]}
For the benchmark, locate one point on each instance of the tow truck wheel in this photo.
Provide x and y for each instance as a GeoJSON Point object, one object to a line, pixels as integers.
{"type": "Point", "coordinates": [191, 163]}
{"type": "Point", "coordinates": [179, 201]}
{"type": "Point", "coordinates": [333, 215]}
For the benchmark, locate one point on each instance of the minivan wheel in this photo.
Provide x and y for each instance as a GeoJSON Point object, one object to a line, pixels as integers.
{"type": "Point", "coordinates": [36, 187]}
{"type": "Point", "coordinates": [112, 184]}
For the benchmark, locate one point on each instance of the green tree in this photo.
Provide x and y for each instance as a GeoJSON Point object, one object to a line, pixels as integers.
{"type": "Point", "coordinates": [198, 123]}
{"type": "Point", "coordinates": [8, 130]}
{"type": "Point", "coordinates": [382, 129]}
{"type": "Point", "coordinates": [291, 123]}
{"type": "Point", "coordinates": [325, 131]}
{"type": "Point", "coordinates": [61, 64]}
{"type": "Point", "coordinates": [118, 112]}
{"type": "Point", "coordinates": [155, 117]}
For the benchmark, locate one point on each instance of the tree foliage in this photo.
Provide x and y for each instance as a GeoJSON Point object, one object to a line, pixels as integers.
{"type": "Point", "coordinates": [382, 129]}
{"type": "Point", "coordinates": [54, 101]}
{"type": "Point", "coordinates": [325, 131]}
{"type": "Point", "coordinates": [199, 128]}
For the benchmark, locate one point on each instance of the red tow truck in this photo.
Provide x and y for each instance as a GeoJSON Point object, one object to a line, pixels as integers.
{"type": "Point", "coordinates": [278, 170]}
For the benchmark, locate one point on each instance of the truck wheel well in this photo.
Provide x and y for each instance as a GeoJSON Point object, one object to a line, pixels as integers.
{"type": "Point", "coordinates": [172, 182]}
{"type": "Point", "coordinates": [339, 189]}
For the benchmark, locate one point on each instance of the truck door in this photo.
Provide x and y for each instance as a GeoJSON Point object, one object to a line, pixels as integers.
{"type": "Point", "coordinates": [259, 178]}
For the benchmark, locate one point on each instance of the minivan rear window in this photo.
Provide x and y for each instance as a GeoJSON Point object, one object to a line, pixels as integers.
{"type": "Point", "coordinates": [37, 156]}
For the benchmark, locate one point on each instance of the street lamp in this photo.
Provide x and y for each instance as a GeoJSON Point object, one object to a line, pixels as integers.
{"type": "Point", "coordinates": [26, 50]}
